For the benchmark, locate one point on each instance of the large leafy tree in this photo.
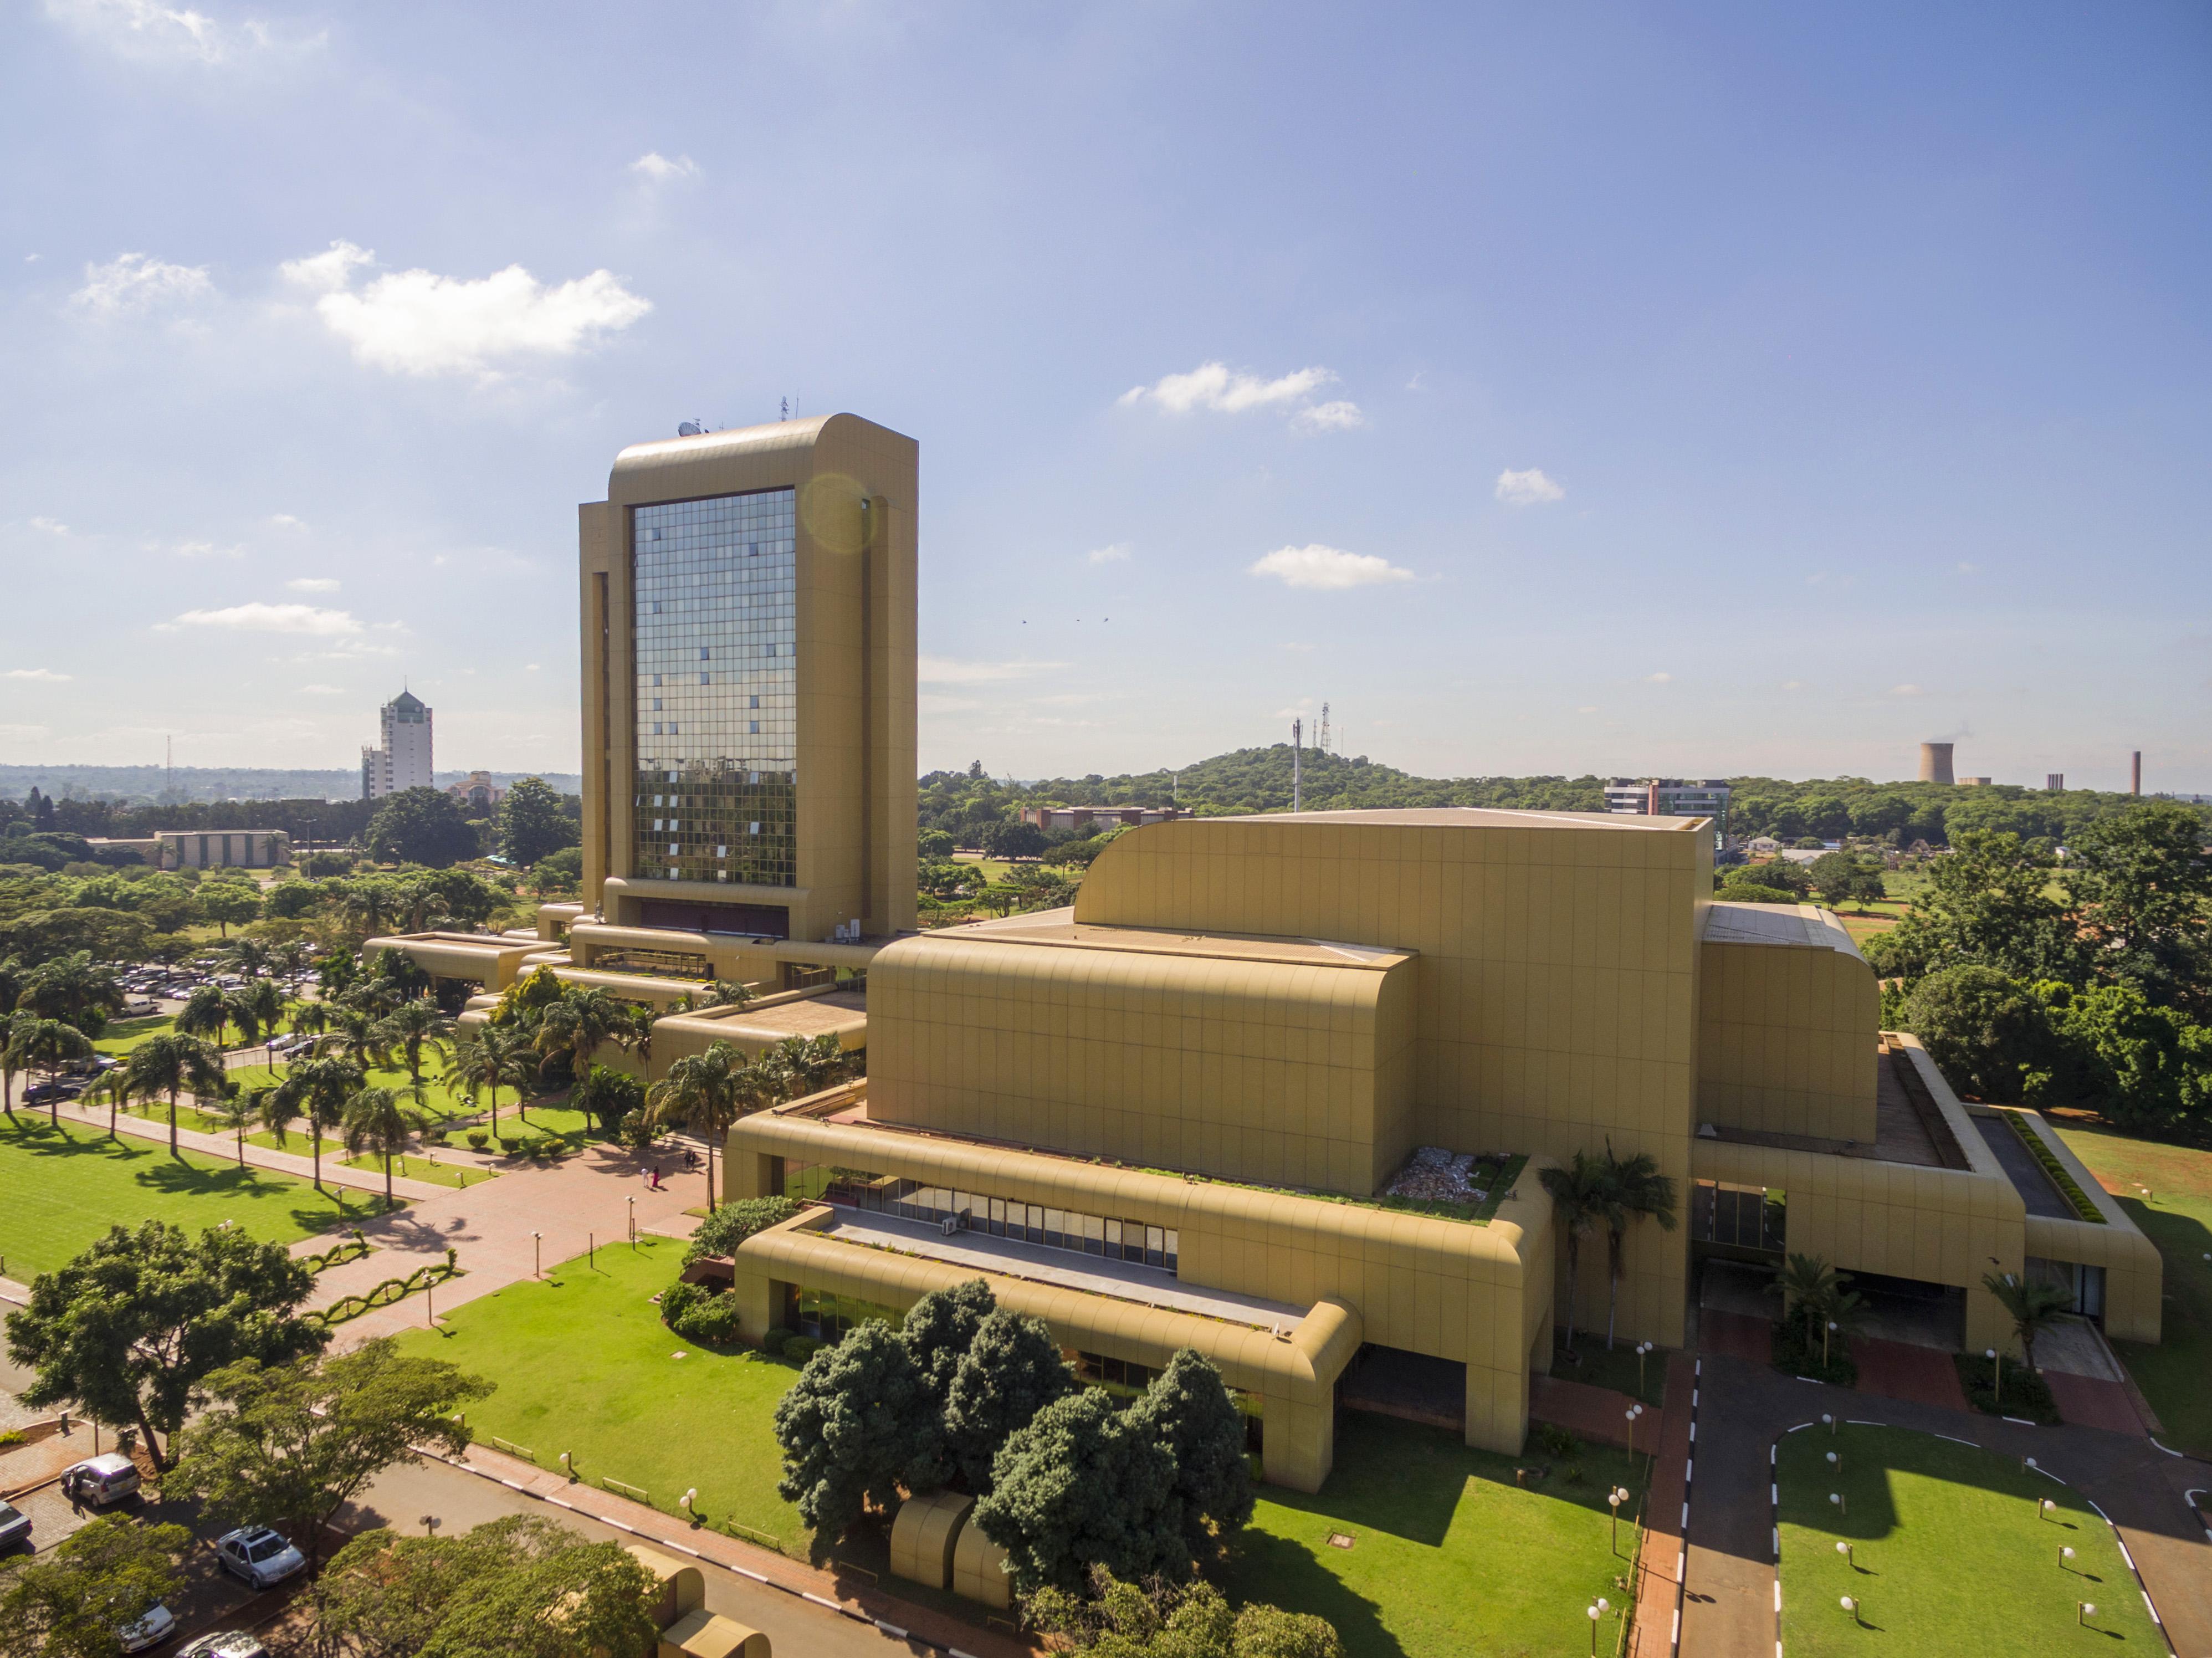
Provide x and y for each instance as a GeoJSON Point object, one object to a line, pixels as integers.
{"type": "Point", "coordinates": [420, 826]}
{"type": "Point", "coordinates": [1084, 1485]}
{"type": "Point", "coordinates": [520, 1587]}
{"type": "Point", "coordinates": [1012, 1370]}
{"type": "Point", "coordinates": [131, 1330]}
{"type": "Point", "coordinates": [1990, 903]}
{"type": "Point", "coordinates": [289, 1445]}
{"type": "Point", "coordinates": [229, 903]}
{"type": "Point", "coordinates": [2144, 881]}
{"type": "Point", "coordinates": [2144, 1068]}
{"type": "Point", "coordinates": [1160, 1619]}
{"type": "Point", "coordinates": [166, 1066]}
{"type": "Point", "coordinates": [848, 1428]}
{"type": "Point", "coordinates": [532, 822]}
{"type": "Point", "coordinates": [1987, 1034]}
{"type": "Point", "coordinates": [1188, 1410]}
{"type": "Point", "coordinates": [71, 1602]}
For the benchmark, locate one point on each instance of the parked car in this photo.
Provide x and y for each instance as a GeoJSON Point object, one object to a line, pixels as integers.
{"type": "Point", "coordinates": [14, 1526]}
{"type": "Point", "coordinates": [224, 1644]}
{"type": "Point", "coordinates": [258, 1557]}
{"type": "Point", "coordinates": [100, 1481]}
{"type": "Point", "coordinates": [57, 1088]}
{"type": "Point", "coordinates": [157, 1625]}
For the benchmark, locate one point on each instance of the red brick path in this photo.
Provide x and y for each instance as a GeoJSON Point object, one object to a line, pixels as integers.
{"type": "Point", "coordinates": [1896, 1369]}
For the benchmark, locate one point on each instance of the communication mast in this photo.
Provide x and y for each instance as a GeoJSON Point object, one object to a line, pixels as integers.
{"type": "Point", "coordinates": [1322, 744]}
{"type": "Point", "coordinates": [1298, 753]}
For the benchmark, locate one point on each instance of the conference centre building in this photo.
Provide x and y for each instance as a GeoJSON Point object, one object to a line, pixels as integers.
{"type": "Point", "coordinates": [1280, 1088]}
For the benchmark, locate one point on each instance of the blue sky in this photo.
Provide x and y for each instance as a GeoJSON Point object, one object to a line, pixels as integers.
{"type": "Point", "coordinates": [1699, 388]}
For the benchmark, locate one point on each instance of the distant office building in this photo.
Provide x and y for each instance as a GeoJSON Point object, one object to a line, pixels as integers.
{"type": "Point", "coordinates": [1936, 763]}
{"type": "Point", "coordinates": [402, 759]}
{"type": "Point", "coordinates": [208, 849]}
{"type": "Point", "coordinates": [1104, 817]}
{"type": "Point", "coordinates": [1671, 796]}
{"type": "Point", "coordinates": [476, 792]}
{"type": "Point", "coordinates": [1973, 782]}
{"type": "Point", "coordinates": [2054, 781]}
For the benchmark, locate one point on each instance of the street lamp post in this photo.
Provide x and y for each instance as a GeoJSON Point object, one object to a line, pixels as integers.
{"type": "Point", "coordinates": [1825, 1336]}
{"type": "Point", "coordinates": [538, 1254]}
{"type": "Point", "coordinates": [1613, 1499]}
{"type": "Point", "coordinates": [633, 1224]}
{"type": "Point", "coordinates": [1843, 1509]}
{"type": "Point", "coordinates": [1845, 1549]}
{"type": "Point", "coordinates": [1997, 1373]}
{"type": "Point", "coordinates": [1851, 1605]}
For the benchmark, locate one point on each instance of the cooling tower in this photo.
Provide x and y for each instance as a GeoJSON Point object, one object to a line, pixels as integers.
{"type": "Point", "coordinates": [1936, 763]}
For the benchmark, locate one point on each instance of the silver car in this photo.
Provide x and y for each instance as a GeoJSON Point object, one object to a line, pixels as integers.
{"type": "Point", "coordinates": [157, 1625]}
{"type": "Point", "coordinates": [258, 1556]}
{"type": "Point", "coordinates": [14, 1526]}
{"type": "Point", "coordinates": [226, 1644]}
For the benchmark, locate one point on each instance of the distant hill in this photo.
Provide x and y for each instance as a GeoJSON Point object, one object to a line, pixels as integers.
{"type": "Point", "coordinates": [144, 785]}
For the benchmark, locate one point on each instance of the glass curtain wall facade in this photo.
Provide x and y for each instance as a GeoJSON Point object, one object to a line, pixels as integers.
{"type": "Point", "coordinates": [716, 623]}
{"type": "Point", "coordinates": [1024, 1223]}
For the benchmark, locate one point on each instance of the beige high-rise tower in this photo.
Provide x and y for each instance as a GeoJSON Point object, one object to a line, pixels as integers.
{"type": "Point", "coordinates": [748, 611]}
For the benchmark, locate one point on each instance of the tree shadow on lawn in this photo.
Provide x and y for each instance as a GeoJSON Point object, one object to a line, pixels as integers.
{"type": "Point", "coordinates": [1280, 1570]}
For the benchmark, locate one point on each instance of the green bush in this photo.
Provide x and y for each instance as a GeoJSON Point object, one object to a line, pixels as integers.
{"type": "Point", "coordinates": [711, 1321]}
{"type": "Point", "coordinates": [677, 1299]}
{"type": "Point", "coordinates": [775, 1339]}
{"type": "Point", "coordinates": [800, 1349]}
{"type": "Point", "coordinates": [2025, 1394]}
{"type": "Point", "coordinates": [722, 1232]}
{"type": "Point", "coordinates": [1747, 892]}
{"type": "Point", "coordinates": [478, 1139]}
{"type": "Point", "coordinates": [1557, 1441]}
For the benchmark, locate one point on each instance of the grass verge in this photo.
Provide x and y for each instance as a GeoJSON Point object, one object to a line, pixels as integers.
{"type": "Point", "coordinates": [1617, 1369]}
{"type": "Point", "coordinates": [1949, 1553]}
{"type": "Point", "coordinates": [2166, 1190]}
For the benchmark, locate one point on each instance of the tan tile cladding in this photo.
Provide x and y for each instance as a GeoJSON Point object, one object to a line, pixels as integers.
{"type": "Point", "coordinates": [1783, 1028]}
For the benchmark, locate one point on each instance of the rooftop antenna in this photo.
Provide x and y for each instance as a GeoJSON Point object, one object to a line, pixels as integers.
{"type": "Point", "coordinates": [1298, 753]}
{"type": "Point", "coordinates": [1323, 743]}
{"type": "Point", "coordinates": [786, 415]}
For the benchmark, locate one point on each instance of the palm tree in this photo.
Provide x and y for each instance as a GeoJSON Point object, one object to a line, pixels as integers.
{"type": "Point", "coordinates": [250, 956]}
{"type": "Point", "coordinates": [705, 1093]}
{"type": "Point", "coordinates": [1814, 1291]}
{"type": "Point", "coordinates": [269, 1003]}
{"type": "Point", "coordinates": [581, 1023]}
{"type": "Point", "coordinates": [245, 1014]}
{"type": "Point", "coordinates": [35, 1044]}
{"type": "Point", "coordinates": [725, 992]}
{"type": "Point", "coordinates": [206, 1012]}
{"type": "Point", "coordinates": [1581, 1198]}
{"type": "Point", "coordinates": [421, 906]}
{"type": "Point", "coordinates": [2035, 1305]}
{"type": "Point", "coordinates": [318, 1090]}
{"type": "Point", "coordinates": [73, 988]}
{"type": "Point", "coordinates": [352, 1033]}
{"type": "Point", "coordinates": [642, 1017]}
{"type": "Point", "coordinates": [369, 906]}
{"type": "Point", "coordinates": [169, 1064]}
{"type": "Point", "coordinates": [498, 1057]}
{"type": "Point", "coordinates": [410, 1028]}
{"type": "Point", "coordinates": [311, 1019]}
{"type": "Point", "coordinates": [374, 1120]}
{"type": "Point", "coordinates": [8, 1065]}
{"type": "Point", "coordinates": [234, 1109]}
{"type": "Point", "coordinates": [1640, 1191]}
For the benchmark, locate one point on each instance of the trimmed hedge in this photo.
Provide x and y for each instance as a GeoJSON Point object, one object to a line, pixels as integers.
{"type": "Point", "coordinates": [2059, 1176]}
{"type": "Point", "coordinates": [391, 1290]}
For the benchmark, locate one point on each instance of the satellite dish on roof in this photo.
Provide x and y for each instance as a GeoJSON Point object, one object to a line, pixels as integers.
{"type": "Point", "coordinates": [690, 429]}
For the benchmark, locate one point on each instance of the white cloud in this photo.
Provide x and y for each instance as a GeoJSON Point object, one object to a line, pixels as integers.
{"type": "Point", "coordinates": [322, 690]}
{"type": "Point", "coordinates": [417, 322]}
{"type": "Point", "coordinates": [1117, 553]}
{"type": "Point", "coordinates": [1966, 568]}
{"type": "Point", "coordinates": [1658, 679]}
{"type": "Point", "coordinates": [1316, 565]}
{"type": "Point", "coordinates": [23, 733]}
{"type": "Point", "coordinates": [1294, 645]}
{"type": "Point", "coordinates": [260, 617]}
{"type": "Point", "coordinates": [207, 549]}
{"type": "Point", "coordinates": [314, 584]}
{"type": "Point", "coordinates": [53, 527]}
{"type": "Point", "coordinates": [1338, 417]}
{"type": "Point", "coordinates": [149, 29]}
{"type": "Point", "coordinates": [530, 667]}
{"type": "Point", "coordinates": [286, 521]}
{"type": "Point", "coordinates": [1528, 488]}
{"type": "Point", "coordinates": [658, 169]}
{"type": "Point", "coordinates": [1586, 710]}
{"type": "Point", "coordinates": [44, 675]}
{"type": "Point", "coordinates": [1213, 386]}
{"type": "Point", "coordinates": [138, 281]}
{"type": "Point", "coordinates": [327, 272]}
{"type": "Point", "coordinates": [1905, 690]}
{"type": "Point", "coordinates": [945, 670]}
{"type": "Point", "coordinates": [1793, 684]}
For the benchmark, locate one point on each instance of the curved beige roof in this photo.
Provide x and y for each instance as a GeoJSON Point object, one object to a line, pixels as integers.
{"type": "Point", "coordinates": [639, 469]}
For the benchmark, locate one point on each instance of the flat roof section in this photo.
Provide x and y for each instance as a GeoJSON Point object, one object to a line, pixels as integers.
{"type": "Point", "coordinates": [1476, 817]}
{"type": "Point", "coordinates": [1057, 928]}
{"type": "Point", "coordinates": [2021, 1169]}
{"type": "Point", "coordinates": [836, 1010]}
{"type": "Point", "coordinates": [1806, 926]}
{"type": "Point", "coordinates": [1122, 1280]}
{"type": "Point", "coordinates": [1904, 1131]}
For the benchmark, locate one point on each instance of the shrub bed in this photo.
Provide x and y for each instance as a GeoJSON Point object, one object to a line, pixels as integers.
{"type": "Point", "coordinates": [2059, 1177]}
{"type": "Point", "coordinates": [2025, 1394]}
{"type": "Point", "coordinates": [391, 1290]}
{"type": "Point", "coordinates": [1795, 1357]}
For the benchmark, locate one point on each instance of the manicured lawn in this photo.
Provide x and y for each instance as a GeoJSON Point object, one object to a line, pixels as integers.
{"type": "Point", "coordinates": [1448, 1556]}
{"type": "Point", "coordinates": [584, 1365]}
{"type": "Point", "coordinates": [66, 1187]}
{"type": "Point", "coordinates": [1949, 1553]}
{"type": "Point", "coordinates": [573, 1126]}
{"type": "Point", "coordinates": [421, 1169]}
{"type": "Point", "coordinates": [440, 1099]}
{"type": "Point", "coordinates": [2177, 1216]}
{"type": "Point", "coordinates": [123, 1035]}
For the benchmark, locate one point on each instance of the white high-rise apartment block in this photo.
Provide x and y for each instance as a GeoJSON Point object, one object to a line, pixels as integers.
{"type": "Point", "coordinates": [402, 760]}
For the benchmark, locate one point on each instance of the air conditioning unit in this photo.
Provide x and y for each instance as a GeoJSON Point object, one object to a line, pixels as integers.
{"type": "Point", "coordinates": [951, 1224]}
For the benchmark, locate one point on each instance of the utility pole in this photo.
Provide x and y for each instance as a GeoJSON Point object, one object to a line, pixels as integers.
{"type": "Point", "coordinates": [1297, 754]}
